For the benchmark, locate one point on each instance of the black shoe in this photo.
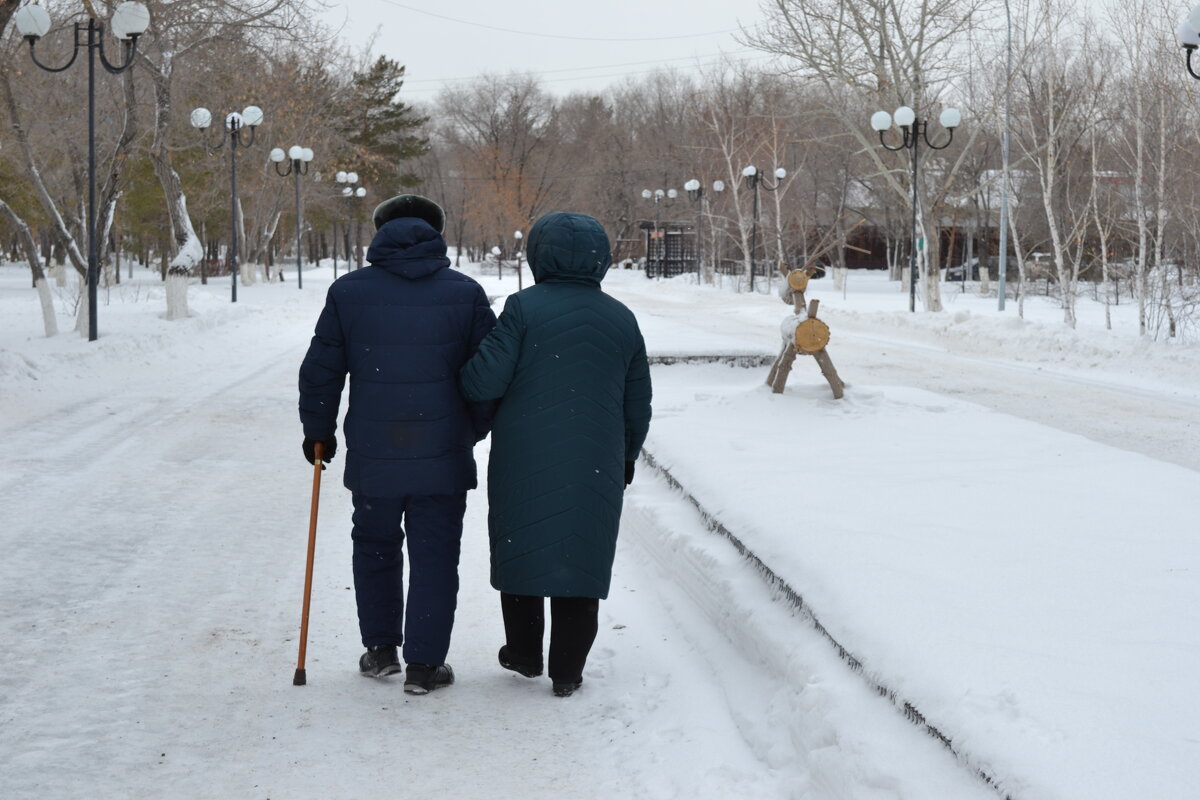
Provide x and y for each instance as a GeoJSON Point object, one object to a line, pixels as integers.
{"type": "Point", "coordinates": [379, 662]}
{"type": "Point", "coordinates": [424, 678]}
{"type": "Point", "coordinates": [566, 689]}
{"type": "Point", "coordinates": [530, 669]}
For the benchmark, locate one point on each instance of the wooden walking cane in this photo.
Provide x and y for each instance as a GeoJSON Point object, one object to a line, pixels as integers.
{"type": "Point", "coordinates": [318, 464]}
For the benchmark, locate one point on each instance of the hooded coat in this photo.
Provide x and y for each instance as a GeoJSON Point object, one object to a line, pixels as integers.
{"type": "Point", "coordinates": [401, 328]}
{"type": "Point", "coordinates": [568, 364]}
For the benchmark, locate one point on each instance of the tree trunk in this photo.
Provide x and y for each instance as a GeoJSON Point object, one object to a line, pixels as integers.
{"type": "Point", "coordinates": [25, 237]}
{"type": "Point", "coordinates": [69, 245]}
{"type": "Point", "coordinates": [186, 250]}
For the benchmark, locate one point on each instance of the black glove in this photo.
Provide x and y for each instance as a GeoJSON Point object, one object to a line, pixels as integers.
{"type": "Point", "coordinates": [628, 472]}
{"type": "Point", "coordinates": [328, 449]}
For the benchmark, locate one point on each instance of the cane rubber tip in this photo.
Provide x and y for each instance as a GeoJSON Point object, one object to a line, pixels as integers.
{"type": "Point", "coordinates": [300, 679]}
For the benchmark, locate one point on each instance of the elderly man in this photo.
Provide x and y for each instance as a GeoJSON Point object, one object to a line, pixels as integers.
{"type": "Point", "coordinates": [401, 328]}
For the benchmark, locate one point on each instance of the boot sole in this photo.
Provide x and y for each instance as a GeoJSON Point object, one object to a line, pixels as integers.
{"type": "Point", "coordinates": [528, 673]}
{"type": "Point", "coordinates": [519, 667]}
{"type": "Point", "coordinates": [412, 687]}
{"type": "Point", "coordinates": [416, 688]}
{"type": "Point", "coordinates": [382, 673]}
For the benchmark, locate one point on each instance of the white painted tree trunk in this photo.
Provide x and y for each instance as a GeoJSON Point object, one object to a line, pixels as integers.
{"type": "Point", "coordinates": [839, 278]}
{"type": "Point", "coordinates": [25, 236]}
{"type": "Point", "coordinates": [49, 323]}
{"type": "Point", "coordinates": [929, 289]}
{"type": "Point", "coordinates": [83, 315]}
{"type": "Point", "coordinates": [189, 256]}
{"type": "Point", "coordinates": [177, 295]}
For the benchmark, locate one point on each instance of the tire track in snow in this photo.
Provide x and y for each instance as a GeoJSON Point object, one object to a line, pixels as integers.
{"type": "Point", "coordinates": [97, 430]}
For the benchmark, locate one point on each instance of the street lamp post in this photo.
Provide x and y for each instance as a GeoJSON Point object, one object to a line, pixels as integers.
{"type": "Point", "coordinates": [496, 255]}
{"type": "Point", "coordinates": [1003, 266]}
{"type": "Point", "coordinates": [1189, 38]}
{"type": "Point", "coordinates": [250, 117]}
{"type": "Point", "coordinates": [351, 194]}
{"type": "Point", "coordinates": [129, 21]}
{"type": "Point", "coordinates": [658, 195]}
{"type": "Point", "coordinates": [695, 193]}
{"type": "Point", "coordinates": [517, 235]}
{"type": "Point", "coordinates": [297, 158]}
{"type": "Point", "coordinates": [298, 164]}
{"type": "Point", "coordinates": [752, 175]}
{"type": "Point", "coordinates": [914, 131]}
{"type": "Point", "coordinates": [718, 188]}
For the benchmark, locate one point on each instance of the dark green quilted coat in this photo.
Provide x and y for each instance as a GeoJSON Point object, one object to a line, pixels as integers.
{"type": "Point", "coordinates": [568, 364]}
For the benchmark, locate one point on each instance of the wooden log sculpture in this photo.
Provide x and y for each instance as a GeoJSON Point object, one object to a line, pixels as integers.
{"type": "Point", "coordinates": [808, 336]}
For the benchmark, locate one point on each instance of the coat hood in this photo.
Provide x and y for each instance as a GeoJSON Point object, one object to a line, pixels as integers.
{"type": "Point", "coordinates": [408, 247]}
{"type": "Point", "coordinates": [568, 246]}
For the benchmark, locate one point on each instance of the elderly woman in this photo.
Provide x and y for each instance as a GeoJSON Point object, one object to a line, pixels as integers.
{"type": "Point", "coordinates": [568, 365]}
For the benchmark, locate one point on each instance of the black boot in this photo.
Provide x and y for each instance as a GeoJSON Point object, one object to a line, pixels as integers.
{"type": "Point", "coordinates": [527, 667]}
{"type": "Point", "coordinates": [424, 678]}
{"type": "Point", "coordinates": [567, 688]}
{"type": "Point", "coordinates": [379, 662]}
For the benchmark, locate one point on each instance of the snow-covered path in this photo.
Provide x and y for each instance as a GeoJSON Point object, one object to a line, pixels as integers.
{"type": "Point", "coordinates": [1033, 371]}
{"type": "Point", "coordinates": [1033, 593]}
{"type": "Point", "coordinates": [155, 511]}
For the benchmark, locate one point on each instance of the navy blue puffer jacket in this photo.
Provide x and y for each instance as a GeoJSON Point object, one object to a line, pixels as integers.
{"type": "Point", "coordinates": [401, 328]}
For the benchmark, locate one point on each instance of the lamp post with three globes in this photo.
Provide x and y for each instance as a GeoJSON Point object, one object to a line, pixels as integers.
{"type": "Point", "coordinates": [129, 21]}
{"type": "Point", "coordinates": [913, 132]}
{"type": "Point", "coordinates": [235, 124]}
{"type": "Point", "coordinates": [298, 159]}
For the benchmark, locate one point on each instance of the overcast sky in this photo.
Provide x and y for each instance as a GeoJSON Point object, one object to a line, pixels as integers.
{"type": "Point", "coordinates": [570, 45]}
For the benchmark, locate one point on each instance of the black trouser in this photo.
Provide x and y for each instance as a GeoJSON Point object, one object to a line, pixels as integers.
{"type": "Point", "coordinates": [573, 625]}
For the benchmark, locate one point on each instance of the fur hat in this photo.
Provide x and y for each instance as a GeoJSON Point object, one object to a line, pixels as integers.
{"type": "Point", "coordinates": [410, 205]}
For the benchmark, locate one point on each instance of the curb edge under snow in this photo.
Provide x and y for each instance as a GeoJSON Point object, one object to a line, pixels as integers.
{"type": "Point", "coordinates": [796, 600]}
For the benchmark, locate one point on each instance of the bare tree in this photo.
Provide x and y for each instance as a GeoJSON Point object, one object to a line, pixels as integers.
{"type": "Point", "coordinates": [1061, 88]}
{"type": "Point", "coordinates": [872, 54]}
{"type": "Point", "coordinates": [502, 133]}
{"type": "Point", "coordinates": [190, 30]}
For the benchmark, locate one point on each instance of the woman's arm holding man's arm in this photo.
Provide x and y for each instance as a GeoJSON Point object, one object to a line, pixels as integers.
{"type": "Point", "coordinates": [489, 372]}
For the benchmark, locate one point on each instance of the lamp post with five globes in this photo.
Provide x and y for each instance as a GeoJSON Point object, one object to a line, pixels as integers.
{"type": "Point", "coordinates": [351, 194]}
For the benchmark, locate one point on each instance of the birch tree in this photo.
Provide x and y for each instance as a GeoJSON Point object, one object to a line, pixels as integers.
{"type": "Point", "coordinates": [29, 246]}
{"type": "Point", "coordinates": [1060, 88]}
{"type": "Point", "coordinates": [728, 116]}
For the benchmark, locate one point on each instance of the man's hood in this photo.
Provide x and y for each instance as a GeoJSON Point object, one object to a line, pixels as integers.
{"type": "Point", "coordinates": [409, 247]}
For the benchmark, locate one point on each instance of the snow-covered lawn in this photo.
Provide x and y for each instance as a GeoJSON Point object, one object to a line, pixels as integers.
{"type": "Point", "coordinates": [996, 522]}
